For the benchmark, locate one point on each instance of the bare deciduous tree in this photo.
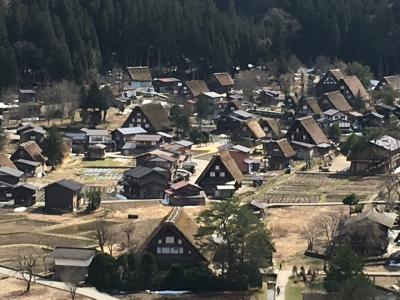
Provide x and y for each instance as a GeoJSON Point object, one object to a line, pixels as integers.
{"type": "Point", "coordinates": [71, 281]}
{"type": "Point", "coordinates": [101, 232]}
{"type": "Point", "coordinates": [128, 230]}
{"type": "Point", "coordinates": [311, 231]}
{"type": "Point", "coordinates": [25, 263]}
{"type": "Point", "coordinates": [328, 223]}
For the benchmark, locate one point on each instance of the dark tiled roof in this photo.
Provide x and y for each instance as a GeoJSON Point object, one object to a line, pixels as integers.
{"type": "Point", "coordinates": [72, 253]}
{"type": "Point", "coordinates": [11, 172]}
{"type": "Point", "coordinates": [69, 184]}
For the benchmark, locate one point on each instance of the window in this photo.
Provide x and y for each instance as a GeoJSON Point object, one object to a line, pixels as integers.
{"type": "Point", "coordinates": [158, 250]}
{"type": "Point", "coordinates": [212, 174]}
{"type": "Point", "coordinates": [174, 250]}
{"type": "Point", "coordinates": [169, 240]}
{"type": "Point", "coordinates": [146, 125]}
{"type": "Point", "coordinates": [180, 250]}
{"type": "Point", "coordinates": [138, 114]}
{"type": "Point", "coordinates": [222, 174]}
{"type": "Point", "coordinates": [216, 167]}
{"type": "Point", "coordinates": [297, 129]}
{"type": "Point", "coordinates": [160, 241]}
{"type": "Point", "coordinates": [304, 137]}
{"type": "Point", "coordinates": [292, 137]}
{"type": "Point", "coordinates": [138, 120]}
{"type": "Point", "coordinates": [179, 241]}
{"type": "Point", "coordinates": [165, 250]}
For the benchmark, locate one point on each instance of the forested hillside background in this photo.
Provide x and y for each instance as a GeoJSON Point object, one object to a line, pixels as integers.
{"type": "Point", "coordinates": [50, 40]}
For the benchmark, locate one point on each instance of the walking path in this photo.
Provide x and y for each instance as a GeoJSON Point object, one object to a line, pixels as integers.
{"type": "Point", "coordinates": [281, 281]}
{"type": "Point", "coordinates": [87, 292]}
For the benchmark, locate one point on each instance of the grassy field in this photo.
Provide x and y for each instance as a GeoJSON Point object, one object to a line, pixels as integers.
{"type": "Point", "coordinates": [293, 291]}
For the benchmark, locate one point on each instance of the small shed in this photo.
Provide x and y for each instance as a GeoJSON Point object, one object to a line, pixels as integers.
{"type": "Point", "coordinates": [25, 194]}
{"type": "Point", "coordinates": [96, 152]}
{"type": "Point", "coordinates": [224, 191]}
{"type": "Point", "coordinates": [69, 261]}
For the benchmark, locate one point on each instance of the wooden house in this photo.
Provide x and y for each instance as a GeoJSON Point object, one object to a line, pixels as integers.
{"type": "Point", "coordinates": [221, 170]}
{"type": "Point", "coordinates": [173, 241]}
{"type": "Point", "coordinates": [366, 233]}
{"type": "Point", "coordinates": [151, 117]}
{"type": "Point", "coordinates": [229, 120]}
{"type": "Point", "coordinates": [239, 154]}
{"type": "Point", "coordinates": [27, 95]}
{"type": "Point", "coordinates": [279, 154]}
{"type": "Point", "coordinates": [354, 92]}
{"type": "Point", "coordinates": [146, 141]}
{"type": "Point", "coordinates": [154, 159]}
{"type": "Point", "coordinates": [371, 119]}
{"type": "Point", "coordinates": [221, 83]}
{"type": "Point", "coordinates": [168, 85]}
{"type": "Point", "coordinates": [387, 111]}
{"type": "Point", "coordinates": [36, 134]}
{"type": "Point", "coordinates": [24, 194]}
{"type": "Point", "coordinates": [291, 101]}
{"type": "Point", "coordinates": [328, 82]}
{"type": "Point", "coordinates": [193, 89]}
{"type": "Point", "coordinates": [334, 100]}
{"type": "Point", "coordinates": [70, 260]}
{"type": "Point", "coordinates": [271, 127]}
{"type": "Point", "coordinates": [96, 152]}
{"type": "Point", "coordinates": [121, 136]}
{"type": "Point", "coordinates": [333, 117]}
{"type": "Point", "coordinates": [381, 156]}
{"type": "Point", "coordinates": [308, 106]}
{"type": "Point", "coordinates": [389, 81]}
{"type": "Point", "coordinates": [31, 168]}
{"type": "Point", "coordinates": [140, 77]}
{"type": "Point", "coordinates": [78, 141]}
{"type": "Point", "coordinates": [5, 161]}
{"type": "Point", "coordinates": [30, 151]}
{"type": "Point", "coordinates": [184, 193]}
{"type": "Point", "coordinates": [63, 195]}
{"type": "Point", "coordinates": [249, 134]}
{"type": "Point", "coordinates": [9, 178]}
{"type": "Point", "coordinates": [307, 138]}
{"type": "Point", "coordinates": [268, 97]}
{"type": "Point", "coordinates": [98, 136]}
{"type": "Point", "coordinates": [146, 183]}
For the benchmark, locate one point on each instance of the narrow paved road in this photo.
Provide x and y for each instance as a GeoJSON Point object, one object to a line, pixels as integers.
{"type": "Point", "coordinates": [88, 292]}
{"type": "Point", "coordinates": [281, 281]}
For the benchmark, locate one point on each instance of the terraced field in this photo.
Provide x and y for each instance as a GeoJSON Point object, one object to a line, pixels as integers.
{"type": "Point", "coordinates": [319, 187]}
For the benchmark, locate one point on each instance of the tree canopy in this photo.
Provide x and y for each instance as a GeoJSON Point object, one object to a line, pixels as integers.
{"type": "Point", "coordinates": [46, 40]}
{"type": "Point", "coordinates": [345, 276]}
{"type": "Point", "coordinates": [244, 245]}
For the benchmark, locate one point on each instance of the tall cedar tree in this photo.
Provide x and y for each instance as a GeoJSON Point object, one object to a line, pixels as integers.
{"type": "Point", "coordinates": [345, 276]}
{"type": "Point", "coordinates": [53, 146]}
{"type": "Point", "coordinates": [244, 245]}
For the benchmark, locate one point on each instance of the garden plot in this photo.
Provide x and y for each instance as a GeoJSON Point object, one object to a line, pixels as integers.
{"type": "Point", "coordinates": [314, 188]}
{"type": "Point", "coordinates": [100, 174]}
{"type": "Point", "coordinates": [45, 240]}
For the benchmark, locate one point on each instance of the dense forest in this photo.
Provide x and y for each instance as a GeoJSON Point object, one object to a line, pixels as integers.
{"type": "Point", "coordinates": [50, 40]}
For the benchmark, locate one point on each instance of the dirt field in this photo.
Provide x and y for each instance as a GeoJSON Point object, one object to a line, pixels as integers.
{"type": "Point", "coordinates": [11, 288]}
{"type": "Point", "coordinates": [287, 225]}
